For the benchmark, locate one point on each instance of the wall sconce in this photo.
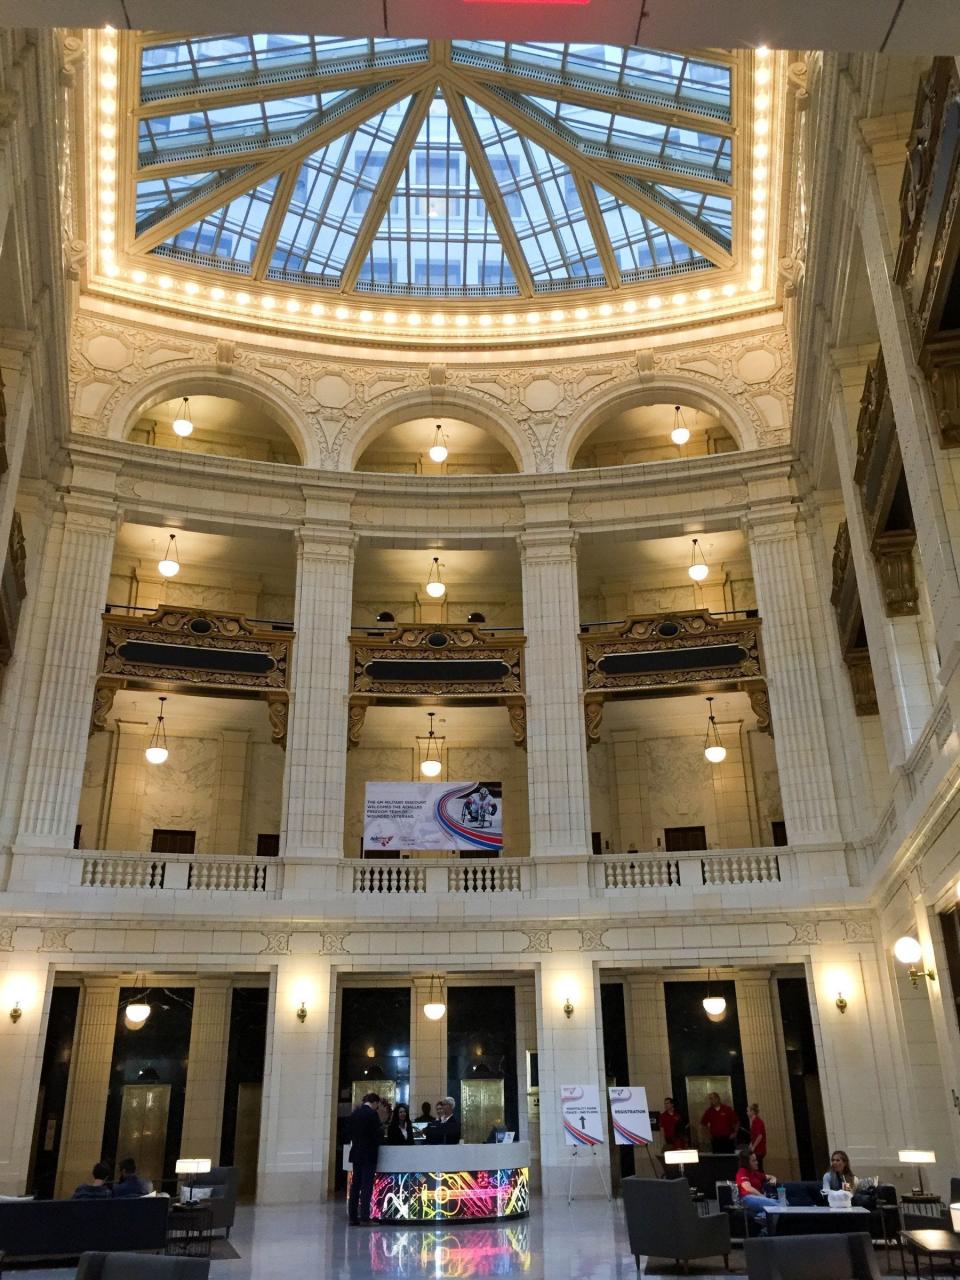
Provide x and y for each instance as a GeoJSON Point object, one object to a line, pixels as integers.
{"type": "Point", "coordinates": [841, 1002]}
{"type": "Point", "coordinates": [908, 951]}
{"type": "Point", "coordinates": [16, 1013]}
{"type": "Point", "coordinates": [568, 1007]}
{"type": "Point", "coordinates": [302, 1011]}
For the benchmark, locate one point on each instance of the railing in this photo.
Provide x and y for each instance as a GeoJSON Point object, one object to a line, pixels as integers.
{"type": "Point", "coordinates": [123, 873]}
{"type": "Point", "coordinates": [243, 877]}
{"type": "Point", "coordinates": [741, 868]}
{"type": "Point", "coordinates": [394, 877]}
{"type": "Point", "coordinates": [143, 610]}
{"type": "Point", "coordinates": [640, 873]}
{"type": "Point", "coordinates": [210, 874]}
{"type": "Point", "coordinates": [484, 877]}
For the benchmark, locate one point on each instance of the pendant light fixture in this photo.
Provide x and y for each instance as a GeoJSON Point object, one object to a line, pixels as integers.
{"type": "Point", "coordinates": [681, 432]}
{"type": "Point", "coordinates": [157, 752]}
{"type": "Point", "coordinates": [714, 1006]}
{"type": "Point", "coordinates": [431, 764]}
{"type": "Point", "coordinates": [435, 586]}
{"type": "Point", "coordinates": [438, 450]}
{"type": "Point", "coordinates": [169, 566]}
{"type": "Point", "coordinates": [182, 423]}
{"type": "Point", "coordinates": [713, 748]}
{"type": "Point", "coordinates": [699, 568]}
{"type": "Point", "coordinates": [136, 1015]}
{"type": "Point", "coordinates": [435, 1007]}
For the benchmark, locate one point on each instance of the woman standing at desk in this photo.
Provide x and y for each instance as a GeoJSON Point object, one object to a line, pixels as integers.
{"type": "Point", "coordinates": [400, 1129]}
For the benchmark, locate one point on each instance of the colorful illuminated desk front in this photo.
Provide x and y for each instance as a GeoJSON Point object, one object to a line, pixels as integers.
{"type": "Point", "coordinates": [472, 1181]}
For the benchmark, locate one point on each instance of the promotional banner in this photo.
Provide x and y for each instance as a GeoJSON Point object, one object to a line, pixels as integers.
{"type": "Point", "coordinates": [631, 1119]}
{"type": "Point", "coordinates": [582, 1121]}
{"type": "Point", "coordinates": [433, 815]}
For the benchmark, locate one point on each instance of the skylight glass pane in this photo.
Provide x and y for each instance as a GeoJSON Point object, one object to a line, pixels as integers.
{"type": "Point", "coordinates": [250, 122]}
{"type": "Point", "coordinates": [249, 57]}
{"type": "Point", "coordinates": [639, 243]}
{"type": "Point", "coordinates": [716, 211]}
{"type": "Point", "coordinates": [230, 233]}
{"type": "Point", "coordinates": [699, 84]}
{"type": "Point", "coordinates": [541, 201]}
{"type": "Point", "coordinates": [437, 235]}
{"type": "Point", "coordinates": [333, 192]}
{"type": "Point", "coordinates": [159, 196]}
{"type": "Point", "coordinates": [662, 144]}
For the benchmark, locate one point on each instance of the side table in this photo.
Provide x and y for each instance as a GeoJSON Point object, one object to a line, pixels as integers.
{"type": "Point", "coordinates": [932, 1244]}
{"type": "Point", "coordinates": [190, 1230]}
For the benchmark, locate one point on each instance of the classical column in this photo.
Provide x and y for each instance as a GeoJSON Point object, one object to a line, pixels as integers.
{"type": "Point", "coordinates": [570, 1053]}
{"type": "Point", "coordinates": [556, 742]}
{"type": "Point", "coordinates": [803, 760]}
{"type": "Point", "coordinates": [932, 485]}
{"type": "Point", "coordinates": [648, 1045]}
{"type": "Point", "coordinates": [428, 1049]}
{"type": "Point", "coordinates": [81, 1142]}
{"type": "Point", "coordinates": [296, 1126]}
{"type": "Point", "coordinates": [760, 1050]}
{"type": "Point", "coordinates": [21, 1056]}
{"type": "Point", "coordinates": [206, 1069]}
{"type": "Point", "coordinates": [316, 756]}
{"type": "Point", "coordinates": [61, 726]}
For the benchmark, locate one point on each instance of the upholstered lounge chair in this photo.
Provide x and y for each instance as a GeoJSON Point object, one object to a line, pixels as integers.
{"type": "Point", "coordinates": [824, 1257]}
{"type": "Point", "coordinates": [139, 1266]}
{"type": "Point", "coordinates": [663, 1222]}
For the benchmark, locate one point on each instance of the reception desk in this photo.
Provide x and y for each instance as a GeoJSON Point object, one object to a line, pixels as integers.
{"type": "Point", "coordinates": [469, 1182]}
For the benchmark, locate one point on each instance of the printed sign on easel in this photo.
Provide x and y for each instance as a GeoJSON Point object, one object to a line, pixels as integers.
{"type": "Point", "coordinates": [582, 1121]}
{"type": "Point", "coordinates": [631, 1119]}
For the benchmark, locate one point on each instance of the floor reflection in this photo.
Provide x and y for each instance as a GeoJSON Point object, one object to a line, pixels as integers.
{"type": "Point", "coordinates": [482, 1250]}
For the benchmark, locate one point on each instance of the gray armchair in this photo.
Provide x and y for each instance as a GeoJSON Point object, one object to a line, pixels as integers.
{"type": "Point", "coordinates": [223, 1200]}
{"type": "Point", "coordinates": [663, 1222]}
{"type": "Point", "coordinates": [140, 1266]}
{"type": "Point", "coordinates": [826, 1257]}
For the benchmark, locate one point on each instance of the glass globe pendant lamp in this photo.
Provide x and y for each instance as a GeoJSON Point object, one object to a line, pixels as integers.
{"type": "Point", "coordinates": [436, 588]}
{"type": "Point", "coordinates": [156, 752]}
{"type": "Point", "coordinates": [438, 450]}
{"type": "Point", "coordinates": [714, 1006]}
{"type": "Point", "coordinates": [431, 764]}
{"type": "Point", "coordinates": [681, 432]}
{"type": "Point", "coordinates": [435, 1007]}
{"type": "Point", "coordinates": [169, 566]}
{"type": "Point", "coordinates": [182, 423]}
{"type": "Point", "coordinates": [699, 568]}
{"type": "Point", "coordinates": [713, 748]}
{"type": "Point", "coordinates": [136, 1015]}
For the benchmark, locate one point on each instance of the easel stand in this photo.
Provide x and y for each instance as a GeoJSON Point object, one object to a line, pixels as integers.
{"type": "Point", "coordinates": [593, 1152]}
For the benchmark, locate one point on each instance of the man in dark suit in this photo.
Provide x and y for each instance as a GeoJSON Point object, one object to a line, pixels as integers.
{"type": "Point", "coordinates": [364, 1145]}
{"type": "Point", "coordinates": [445, 1130]}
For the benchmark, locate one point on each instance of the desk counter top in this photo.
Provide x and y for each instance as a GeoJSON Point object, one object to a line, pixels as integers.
{"type": "Point", "coordinates": [471, 1157]}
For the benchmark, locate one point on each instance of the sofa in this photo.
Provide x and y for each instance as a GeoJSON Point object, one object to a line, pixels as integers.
{"type": "Point", "coordinates": [68, 1228]}
{"type": "Point", "coordinates": [663, 1222]}
{"type": "Point", "coordinates": [223, 1198]}
{"type": "Point", "coordinates": [134, 1266]}
{"type": "Point", "coordinates": [817, 1257]}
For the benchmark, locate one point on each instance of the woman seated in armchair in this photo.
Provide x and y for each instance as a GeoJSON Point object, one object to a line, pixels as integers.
{"type": "Point", "coordinates": [753, 1186]}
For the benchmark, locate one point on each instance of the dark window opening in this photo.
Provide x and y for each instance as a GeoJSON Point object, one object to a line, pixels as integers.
{"type": "Point", "coordinates": [268, 844]}
{"type": "Point", "coordinates": [779, 828]}
{"type": "Point", "coordinates": [683, 839]}
{"type": "Point", "coordinates": [166, 840]}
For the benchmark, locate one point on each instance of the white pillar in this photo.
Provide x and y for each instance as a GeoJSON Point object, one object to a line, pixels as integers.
{"type": "Point", "coordinates": [81, 1143]}
{"type": "Point", "coordinates": [556, 739]}
{"type": "Point", "coordinates": [296, 1126]}
{"type": "Point", "coordinates": [761, 1065]}
{"type": "Point", "coordinates": [803, 759]}
{"type": "Point", "coordinates": [570, 1053]}
{"type": "Point", "coordinates": [933, 491]}
{"type": "Point", "coordinates": [316, 757]}
{"type": "Point", "coordinates": [23, 979]}
{"type": "Point", "coordinates": [206, 1069]}
{"type": "Point", "coordinates": [58, 746]}
{"type": "Point", "coordinates": [648, 1043]}
{"type": "Point", "coordinates": [428, 1048]}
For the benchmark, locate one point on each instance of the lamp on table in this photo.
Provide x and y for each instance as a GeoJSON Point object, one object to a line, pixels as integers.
{"type": "Point", "coordinates": [188, 1170]}
{"type": "Point", "coordinates": [918, 1159]}
{"type": "Point", "coordinates": [685, 1155]}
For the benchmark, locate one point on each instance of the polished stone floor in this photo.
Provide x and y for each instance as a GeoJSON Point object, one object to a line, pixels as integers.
{"type": "Point", "coordinates": [586, 1241]}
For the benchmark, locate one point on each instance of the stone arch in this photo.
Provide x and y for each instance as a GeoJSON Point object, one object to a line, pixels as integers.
{"type": "Point", "coordinates": [674, 388]}
{"type": "Point", "coordinates": [444, 403]}
{"type": "Point", "coordinates": [232, 385]}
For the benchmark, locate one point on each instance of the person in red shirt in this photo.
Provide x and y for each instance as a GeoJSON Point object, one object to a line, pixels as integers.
{"type": "Point", "coordinates": [721, 1122]}
{"type": "Point", "coordinates": [671, 1124]}
{"type": "Point", "coordinates": [753, 1187]}
{"type": "Point", "coordinates": [758, 1134]}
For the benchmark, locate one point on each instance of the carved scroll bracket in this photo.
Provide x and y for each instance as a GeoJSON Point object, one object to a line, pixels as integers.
{"type": "Point", "coordinates": [894, 553]}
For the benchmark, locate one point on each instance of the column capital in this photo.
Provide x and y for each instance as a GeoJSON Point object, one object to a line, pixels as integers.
{"type": "Point", "coordinates": [779, 524]}
{"type": "Point", "coordinates": [325, 542]}
{"type": "Point", "coordinates": [91, 513]}
{"type": "Point", "coordinates": [545, 544]}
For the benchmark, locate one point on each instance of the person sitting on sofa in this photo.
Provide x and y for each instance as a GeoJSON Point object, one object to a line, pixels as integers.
{"type": "Point", "coordinates": [130, 1183]}
{"type": "Point", "coordinates": [752, 1186]}
{"type": "Point", "coordinates": [839, 1177]}
{"type": "Point", "coordinates": [98, 1188]}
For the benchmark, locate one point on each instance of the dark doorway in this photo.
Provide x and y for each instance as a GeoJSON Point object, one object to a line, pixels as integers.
{"type": "Point", "coordinates": [805, 1096]}
{"type": "Point", "coordinates": [54, 1074]}
{"type": "Point", "coordinates": [167, 840]}
{"type": "Point", "coordinates": [243, 1090]}
{"type": "Point", "coordinates": [616, 1060]}
{"type": "Point", "coordinates": [683, 839]}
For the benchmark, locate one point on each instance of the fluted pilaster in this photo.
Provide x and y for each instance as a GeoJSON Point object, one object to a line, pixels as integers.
{"type": "Point", "coordinates": [762, 1068]}
{"type": "Point", "coordinates": [81, 1142]}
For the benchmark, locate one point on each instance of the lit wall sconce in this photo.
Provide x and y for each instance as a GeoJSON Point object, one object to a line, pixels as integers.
{"type": "Point", "coordinates": [302, 1012]}
{"type": "Point", "coordinates": [16, 1013]}
{"type": "Point", "coordinates": [908, 951]}
{"type": "Point", "coordinates": [841, 1002]}
{"type": "Point", "coordinates": [568, 1007]}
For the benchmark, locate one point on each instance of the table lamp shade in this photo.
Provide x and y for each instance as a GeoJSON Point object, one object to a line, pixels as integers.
{"type": "Point", "coordinates": [686, 1156]}
{"type": "Point", "coordinates": [917, 1157]}
{"type": "Point", "coordinates": [194, 1166]}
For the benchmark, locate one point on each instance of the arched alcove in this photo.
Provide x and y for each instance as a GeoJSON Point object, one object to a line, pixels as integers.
{"type": "Point", "coordinates": [222, 425]}
{"type": "Point", "coordinates": [642, 433]}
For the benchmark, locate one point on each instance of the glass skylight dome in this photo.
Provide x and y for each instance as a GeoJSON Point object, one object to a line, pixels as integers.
{"type": "Point", "coordinates": [406, 168]}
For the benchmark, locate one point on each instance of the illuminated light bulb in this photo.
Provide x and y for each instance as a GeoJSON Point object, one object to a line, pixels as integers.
{"type": "Point", "coordinates": [183, 427]}
{"type": "Point", "coordinates": [267, 303]}
{"type": "Point", "coordinates": [761, 126]}
{"type": "Point", "coordinates": [680, 433]}
{"type": "Point", "coordinates": [486, 321]}
{"type": "Point", "coordinates": [714, 1006]}
{"type": "Point", "coordinates": [704, 295]}
{"type": "Point", "coordinates": [605, 309]}
{"type": "Point", "coordinates": [729, 290]}
{"type": "Point", "coordinates": [341, 313]}
{"type": "Point", "coordinates": [107, 196]}
{"type": "Point", "coordinates": [108, 174]}
{"type": "Point", "coordinates": [761, 151]}
{"type": "Point", "coordinates": [698, 572]}
{"type": "Point", "coordinates": [462, 321]}
{"type": "Point", "coordinates": [366, 317]}
{"type": "Point", "coordinates": [581, 313]}
{"type": "Point", "coordinates": [108, 81]}
{"type": "Point", "coordinates": [757, 234]}
{"type": "Point", "coordinates": [317, 309]}
{"type": "Point", "coordinates": [139, 277]}
{"type": "Point", "coordinates": [508, 318]}
{"type": "Point", "coordinates": [756, 253]}
{"type": "Point", "coordinates": [106, 235]}
{"type": "Point", "coordinates": [763, 51]}
{"type": "Point", "coordinates": [654, 303]}
{"type": "Point", "coordinates": [438, 450]}
{"type": "Point", "coordinates": [762, 76]}
{"type": "Point", "coordinates": [156, 755]}
{"type": "Point", "coordinates": [907, 950]}
{"type": "Point", "coordinates": [164, 282]}
{"type": "Point", "coordinates": [107, 217]}
{"type": "Point", "coordinates": [108, 129]}
{"type": "Point", "coordinates": [435, 587]}
{"type": "Point", "coordinates": [762, 102]}
{"type": "Point", "coordinates": [557, 316]}
{"type": "Point", "coordinates": [430, 769]}
{"type": "Point", "coordinates": [242, 299]}
{"type": "Point", "coordinates": [434, 1010]}
{"type": "Point", "coordinates": [414, 318]}
{"type": "Point", "coordinates": [112, 269]}
{"type": "Point", "coordinates": [389, 317]}
{"type": "Point", "coordinates": [293, 306]}
{"type": "Point", "coordinates": [137, 1014]}
{"type": "Point", "coordinates": [217, 294]}
{"type": "Point", "coordinates": [156, 752]}
{"type": "Point", "coordinates": [108, 106]}
{"type": "Point", "coordinates": [532, 317]}
{"type": "Point", "coordinates": [191, 287]}
{"type": "Point", "coordinates": [630, 306]}
{"type": "Point", "coordinates": [169, 566]}
{"type": "Point", "coordinates": [716, 755]}
{"type": "Point", "coordinates": [760, 174]}
{"type": "Point", "coordinates": [108, 154]}
{"type": "Point", "coordinates": [678, 299]}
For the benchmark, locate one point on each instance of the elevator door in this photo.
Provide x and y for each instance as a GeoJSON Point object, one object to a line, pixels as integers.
{"type": "Point", "coordinates": [481, 1107]}
{"type": "Point", "coordinates": [143, 1128]}
{"type": "Point", "coordinates": [247, 1140]}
